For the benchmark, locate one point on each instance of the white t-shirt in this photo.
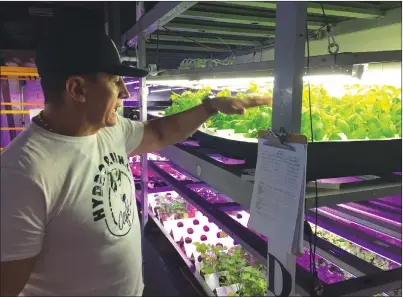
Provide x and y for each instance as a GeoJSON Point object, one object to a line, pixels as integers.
{"type": "Point", "coordinates": [71, 201]}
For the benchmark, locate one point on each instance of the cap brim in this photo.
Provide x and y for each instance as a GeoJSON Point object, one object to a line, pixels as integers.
{"type": "Point", "coordinates": [123, 70]}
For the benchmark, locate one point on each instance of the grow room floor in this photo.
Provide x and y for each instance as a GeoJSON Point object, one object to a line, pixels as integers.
{"type": "Point", "coordinates": [157, 279]}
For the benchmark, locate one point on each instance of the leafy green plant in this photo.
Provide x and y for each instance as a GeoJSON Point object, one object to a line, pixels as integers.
{"type": "Point", "coordinates": [356, 250]}
{"type": "Point", "coordinates": [250, 280]}
{"type": "Point", "coordinates": [167, 206]}
{"type": "Point", "coordinates": [186, 100]}
{"type": "Point", "coordinates": [235, 266]}
{"type": "Point", "coordinates": [211, 256]}
{"type": "Point", "coordinates": [364, 112]}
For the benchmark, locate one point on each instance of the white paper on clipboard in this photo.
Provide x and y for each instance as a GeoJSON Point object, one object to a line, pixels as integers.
{"type": "Point", "coordinates": [277, 205]}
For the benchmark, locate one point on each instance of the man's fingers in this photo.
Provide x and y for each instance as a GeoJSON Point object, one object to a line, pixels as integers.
{"type": "Point", "coordinates": [257, 101]}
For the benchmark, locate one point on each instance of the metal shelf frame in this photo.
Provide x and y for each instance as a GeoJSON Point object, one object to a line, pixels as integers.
{"type": "Point", "coordinates": [289, 65]}
{"type": "Point", "coordinates": [219, 176]}
{"type": "Point", "coordinates": [258, 247]}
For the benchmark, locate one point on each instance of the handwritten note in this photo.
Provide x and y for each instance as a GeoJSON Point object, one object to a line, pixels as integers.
{"type": "Point", "coordinates": [278, 194]}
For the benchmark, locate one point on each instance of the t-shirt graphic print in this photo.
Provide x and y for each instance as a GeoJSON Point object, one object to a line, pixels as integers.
{"type": "Point", "coordinates": [112, 195]}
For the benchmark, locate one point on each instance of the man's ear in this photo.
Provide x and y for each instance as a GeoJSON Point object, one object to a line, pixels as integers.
{"type": "Point", "coordinates": [75, 87]}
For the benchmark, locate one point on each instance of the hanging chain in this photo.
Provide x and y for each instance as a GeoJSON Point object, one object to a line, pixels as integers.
{"type": "Point", "coordinates": [333, 47]}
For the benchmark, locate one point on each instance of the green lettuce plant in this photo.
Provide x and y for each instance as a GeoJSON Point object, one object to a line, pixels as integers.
{"type": "Point", "coordinates": [364, 112]}
{"type": "Point", "coordinates": [234, 264]}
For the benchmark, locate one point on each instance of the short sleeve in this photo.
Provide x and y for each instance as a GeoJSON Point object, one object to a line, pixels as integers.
{"type": "Point", "coordinates": [133, 132]}
{"type": "Point", "coordinates": [23, 216]}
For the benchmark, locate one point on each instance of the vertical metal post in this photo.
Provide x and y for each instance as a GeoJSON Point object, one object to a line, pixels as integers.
{"type": "Point", "coordinates": [106, 17]}
{"type": "Point", "coordinates": [141, 63]}
{"type": "Point", "coordinates": [289, 58]}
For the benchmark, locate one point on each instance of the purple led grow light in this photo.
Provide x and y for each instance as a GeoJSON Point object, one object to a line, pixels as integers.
{"type": "Point", "coordinates": [396, 200]}
{"type": "Point", "coordinates": [208, 194]}
{"type": "Point", "coordinates": [381, 205]}
{"type": "Point", "coordinates": [190, 143]}
{"type": "Point", "coordinates": [344, 230]}
{"type": "Point", "coordinates": [370, 232]}
{"type": "Point", "coordinates": [373, 216]}
{"type": "Point", "coordinates": [168, 168]}
{"type": "Point", "coordinates": [374, 211]}
{"type": "Point", "coordinates": [356, 250]}
{"type": "Point", "coordinates": [340, 180]}
{"type": "Point", "coordinates": [226, 160]}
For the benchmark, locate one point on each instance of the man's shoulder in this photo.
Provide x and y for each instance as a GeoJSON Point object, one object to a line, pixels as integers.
{"type": "Point", "coordinates": [25, 154]}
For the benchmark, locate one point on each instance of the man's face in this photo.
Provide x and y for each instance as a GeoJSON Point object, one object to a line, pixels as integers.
{"type": "Point", "coordinates": [103, 98]}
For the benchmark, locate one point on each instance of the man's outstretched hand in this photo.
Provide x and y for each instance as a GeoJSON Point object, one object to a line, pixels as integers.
{"type": "Point", "coordinates": [229, 105]}
{"type": "Point", "coordinates": [172, 129]}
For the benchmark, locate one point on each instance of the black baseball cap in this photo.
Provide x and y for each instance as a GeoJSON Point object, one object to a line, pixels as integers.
{"type": "Point", "coordinates": [74, 48]}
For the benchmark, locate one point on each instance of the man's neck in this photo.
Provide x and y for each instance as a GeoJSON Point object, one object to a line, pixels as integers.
{"type": "Point", "coordinates": [66, 121]}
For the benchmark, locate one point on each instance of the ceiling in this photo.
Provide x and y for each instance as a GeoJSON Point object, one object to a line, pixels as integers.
{"type": "Point", "coordinates": [207, 29]}
{"type": "Point", "coordinates": [224, 28]}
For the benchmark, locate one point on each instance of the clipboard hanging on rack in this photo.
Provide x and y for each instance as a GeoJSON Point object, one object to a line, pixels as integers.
{"type": "Point", "coordinates": [279, 188]}
{"type": "Point", "coordinates": [278, 203]}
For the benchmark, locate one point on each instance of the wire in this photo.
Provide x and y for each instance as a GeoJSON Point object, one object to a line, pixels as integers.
{"type": "Point", "coordinates": [313, 236]}
{"type": "Point", "coordinates": [227, 46]}
{"type": "Point", "coordinates": [191, 39]}
{"type": "Point", "coordinates": [232, 51]}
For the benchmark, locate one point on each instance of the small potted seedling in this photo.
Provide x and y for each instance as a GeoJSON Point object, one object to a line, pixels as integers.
{"type": "Point", "coordinates": [211, 268]}
{"type": "Point", "coordinates": [242, 279]}
{"type": "Point", "coordinates": [170, 208]}
{"type": "Point", "coordinates": [251, 282]}
{"type": "Point", "coordinates": [233, 263]}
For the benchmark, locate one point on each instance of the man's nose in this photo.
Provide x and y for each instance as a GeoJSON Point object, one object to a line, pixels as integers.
{"type": "Point", "coordinates": [124, 93]}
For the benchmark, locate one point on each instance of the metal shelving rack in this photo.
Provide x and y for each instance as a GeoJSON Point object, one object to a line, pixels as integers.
{"type": "Point", "coordinates": [258, 247]}
{"type": "Point", "coordinates": [288, 66]}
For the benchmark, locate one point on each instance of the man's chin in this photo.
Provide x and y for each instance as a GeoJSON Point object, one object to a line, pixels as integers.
{"type": "Point", "coordinates": [112, 120]}
{"type": "Point", "coordinates": [111, 123]}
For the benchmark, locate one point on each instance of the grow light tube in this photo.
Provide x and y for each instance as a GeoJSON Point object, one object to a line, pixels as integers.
{"type": "Point", "coordinates": [373, 77]}
{"type": "Point", "coordinates": [334, 83]}
{"type": "Point", "coordinates": [135, 82]}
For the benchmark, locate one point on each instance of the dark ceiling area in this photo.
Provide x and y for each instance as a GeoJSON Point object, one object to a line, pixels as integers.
{"type": "Point", "coordinates": [23, 23]}
{"type": "Point", "coordinates": [214, 29]}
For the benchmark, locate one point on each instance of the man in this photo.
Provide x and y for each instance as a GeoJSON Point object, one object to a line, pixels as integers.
{"type": "Point", "coordinates": [69, 223]}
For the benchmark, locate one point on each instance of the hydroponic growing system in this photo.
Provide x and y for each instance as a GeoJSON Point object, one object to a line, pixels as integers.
{"type": "Point", "coordinates": [198, 192]}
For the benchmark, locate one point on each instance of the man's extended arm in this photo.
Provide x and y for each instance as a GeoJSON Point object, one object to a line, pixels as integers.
{"type": "Point", "coordinates": [172, 129]}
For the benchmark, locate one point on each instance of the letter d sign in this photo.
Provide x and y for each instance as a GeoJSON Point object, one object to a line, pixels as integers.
{"type": "Point", "coordinates": [286, 277]}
